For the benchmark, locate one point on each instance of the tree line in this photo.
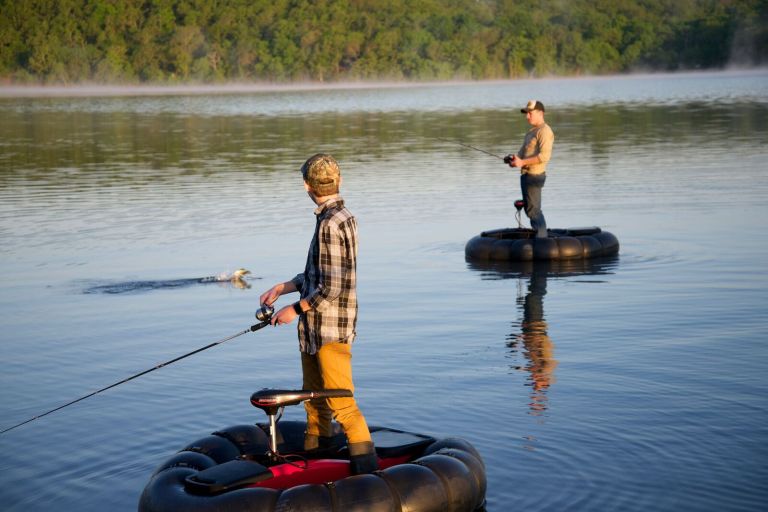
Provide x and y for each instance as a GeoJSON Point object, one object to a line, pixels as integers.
{"type": "Point", "coordinates": [213, 41]}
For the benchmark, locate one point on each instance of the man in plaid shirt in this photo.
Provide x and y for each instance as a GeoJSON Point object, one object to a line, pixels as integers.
{"type": "Point", "coordinates": [327, 311]}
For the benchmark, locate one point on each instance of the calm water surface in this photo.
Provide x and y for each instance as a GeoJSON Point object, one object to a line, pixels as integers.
{"type": "Point", "coordinates": [636, 383]}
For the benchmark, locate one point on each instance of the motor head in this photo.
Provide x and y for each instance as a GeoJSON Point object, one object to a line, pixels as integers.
{"type": "Point", "coordinates": [264, 313]}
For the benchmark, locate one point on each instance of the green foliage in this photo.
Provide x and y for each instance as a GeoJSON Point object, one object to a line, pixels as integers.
{"type": "Point", "coordinates": [70, 41]}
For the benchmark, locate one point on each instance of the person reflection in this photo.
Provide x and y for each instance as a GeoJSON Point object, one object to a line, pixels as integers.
{"type": "Point", "coordinates": [531, 339]}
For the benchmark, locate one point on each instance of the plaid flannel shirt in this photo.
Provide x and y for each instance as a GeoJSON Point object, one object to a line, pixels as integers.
{"type": "Point", "coordinates": [329, 280]}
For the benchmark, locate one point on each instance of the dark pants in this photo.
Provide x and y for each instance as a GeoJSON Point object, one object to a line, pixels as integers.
{"type": "Point", "coordinates": [531, 185]}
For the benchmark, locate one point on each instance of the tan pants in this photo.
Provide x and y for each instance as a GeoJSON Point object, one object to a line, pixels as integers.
{"type": "Point", "coordinates": [331, 368]}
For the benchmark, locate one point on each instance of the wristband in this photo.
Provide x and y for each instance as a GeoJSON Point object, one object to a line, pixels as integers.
{"type": "Point", "coordinates": [297, 308]}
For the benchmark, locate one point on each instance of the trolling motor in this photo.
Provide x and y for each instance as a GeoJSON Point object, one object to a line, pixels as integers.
{"type": "Point", "coordinates": [272, 402]}
{"type": "Point", "coordinates": [245, 470]}
{"type": "Point", "coordinates": [519, 205]}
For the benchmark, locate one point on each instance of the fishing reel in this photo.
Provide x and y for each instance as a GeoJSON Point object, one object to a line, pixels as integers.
{"type": "Point", "coordinates": [508, 159]}
{"type": "Point", "coordinates": [264, 313]}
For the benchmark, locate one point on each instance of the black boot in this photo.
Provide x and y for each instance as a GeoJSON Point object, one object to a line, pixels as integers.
{"type": "Point", "coordinates": [362, 458]}
{"type": "Point", "coordinates": [317, 443]}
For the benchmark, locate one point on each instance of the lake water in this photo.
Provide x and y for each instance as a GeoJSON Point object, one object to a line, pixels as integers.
{"type": "Point", "coordinates": [635, 383]}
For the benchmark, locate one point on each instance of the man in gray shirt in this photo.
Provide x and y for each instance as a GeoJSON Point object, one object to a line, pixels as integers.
{"type": "Point", "coordinates": [532, 160]}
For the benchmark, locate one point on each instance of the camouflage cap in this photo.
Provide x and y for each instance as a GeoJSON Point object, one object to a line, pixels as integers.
{"type": "Point", "coordinates": [322, 174]}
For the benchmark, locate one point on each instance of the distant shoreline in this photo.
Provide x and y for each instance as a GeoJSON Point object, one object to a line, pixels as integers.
{"type": "Point", "coordinates": [106, 90]}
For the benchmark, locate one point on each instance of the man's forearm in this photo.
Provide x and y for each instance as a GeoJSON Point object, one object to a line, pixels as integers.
{"type": "Point", "coordinates": [288, 287]}
{"type": "Point", "coordinates": [529, 161]}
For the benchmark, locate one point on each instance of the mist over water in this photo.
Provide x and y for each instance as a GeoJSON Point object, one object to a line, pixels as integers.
{"type": "Point", "coordinates": [633, 383]}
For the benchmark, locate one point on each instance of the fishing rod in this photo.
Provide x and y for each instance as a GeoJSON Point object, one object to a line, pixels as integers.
{"type": "Point", "coordinates": [263, 315]}
{"type": "Point", "coordinates": [472, 147]}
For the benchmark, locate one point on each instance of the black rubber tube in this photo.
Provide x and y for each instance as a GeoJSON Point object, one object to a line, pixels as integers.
{"type": "Point", "coordinates": [448, 477]}
{"type": "Point", "coordinates": [515, 244]}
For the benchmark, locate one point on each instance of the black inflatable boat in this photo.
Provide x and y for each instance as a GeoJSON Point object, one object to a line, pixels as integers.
{"type": "Point", "coordinates": [264, 468]}
{"type": "Point", "coordinates": [520, 244]}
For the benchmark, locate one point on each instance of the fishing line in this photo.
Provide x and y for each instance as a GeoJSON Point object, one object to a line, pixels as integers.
{"type": "Point", "coordinates": [471, 147]}
{"type": "Point", "coordinates": [264, 322]}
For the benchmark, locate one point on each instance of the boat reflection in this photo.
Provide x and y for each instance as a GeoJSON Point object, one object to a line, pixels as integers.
{"type": "Point", "coordinates": [530, 336]}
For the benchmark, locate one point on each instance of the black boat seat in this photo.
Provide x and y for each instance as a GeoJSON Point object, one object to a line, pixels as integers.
{"type": "Point", "coordinates": [272, 399]}
{"type": "Point", "coordinates": [233, 474]}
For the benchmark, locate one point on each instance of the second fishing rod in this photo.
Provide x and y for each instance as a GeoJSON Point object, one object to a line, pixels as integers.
{"type": "Point", "coordinates": [506, 159]}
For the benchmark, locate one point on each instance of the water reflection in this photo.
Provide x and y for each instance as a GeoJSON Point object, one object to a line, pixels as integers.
{"type": "Point", "coordinates": [530, 336]}
{"type": "Point", "coordinates": [77, 138]}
